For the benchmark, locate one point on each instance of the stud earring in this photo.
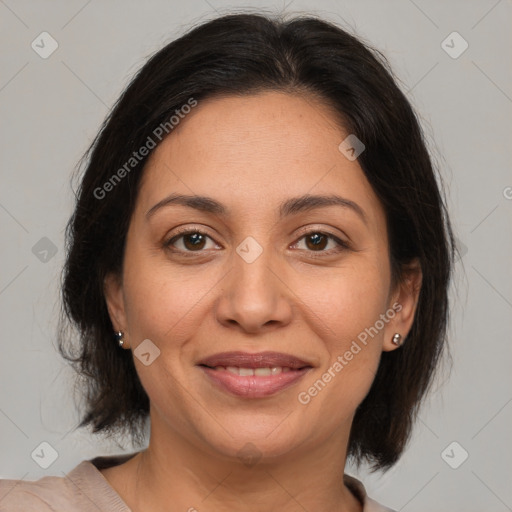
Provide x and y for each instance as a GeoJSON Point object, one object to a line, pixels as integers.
{"type": "Point", "coordinates": [119, 336]}
{"type": "Point", "coordinates": [397, 339]}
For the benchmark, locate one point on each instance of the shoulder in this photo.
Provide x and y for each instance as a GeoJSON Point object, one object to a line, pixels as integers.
{"type": "Point", "coordinates": [82, 489]}
{"type": "Point", "coordinates": [46, 494]}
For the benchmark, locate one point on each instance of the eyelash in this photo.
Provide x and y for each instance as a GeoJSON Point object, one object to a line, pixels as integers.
{"type": "Point", "coordinates": [188, 231]}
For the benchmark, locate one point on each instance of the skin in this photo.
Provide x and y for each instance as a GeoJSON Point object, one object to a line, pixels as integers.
{"type": "Point", "coordinates": [252, 153]}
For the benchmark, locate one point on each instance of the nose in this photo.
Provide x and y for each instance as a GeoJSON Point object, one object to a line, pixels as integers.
{"type": "Point", "coordinates": [255, 296]}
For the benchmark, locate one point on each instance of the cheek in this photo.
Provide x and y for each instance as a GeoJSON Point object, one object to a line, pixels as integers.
{"type": "Point", "coordinates": [160, 300]}
{"type": "Point", "coordinates": [346, 302]}
{"type": "Point", "coordinates": [350, 331]}
{"type": "Point", "coordinates": [162, 306]}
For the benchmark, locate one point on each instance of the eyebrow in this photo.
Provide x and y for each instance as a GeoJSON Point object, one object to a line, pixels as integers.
{"type": "Point", "coordinates": [289, 207]}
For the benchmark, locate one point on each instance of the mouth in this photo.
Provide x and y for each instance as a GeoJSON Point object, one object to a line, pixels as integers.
{"type": "Point", "coordinates": [254, 375]}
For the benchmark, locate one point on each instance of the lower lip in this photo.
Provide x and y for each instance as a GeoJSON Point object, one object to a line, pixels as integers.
{"type": "Point", "coordinates": [253, 386]}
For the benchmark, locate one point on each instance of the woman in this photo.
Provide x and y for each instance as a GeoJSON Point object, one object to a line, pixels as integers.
{"type": "Point", "coordinates": [258, 265]}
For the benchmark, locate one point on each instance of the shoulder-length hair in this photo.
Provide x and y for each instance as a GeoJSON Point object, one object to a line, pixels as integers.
{"type": "Point", "coordinates": [243, 54]}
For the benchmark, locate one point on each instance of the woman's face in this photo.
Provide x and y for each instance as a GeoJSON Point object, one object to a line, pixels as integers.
{"type": "Point", "coordinates": [268, 272]}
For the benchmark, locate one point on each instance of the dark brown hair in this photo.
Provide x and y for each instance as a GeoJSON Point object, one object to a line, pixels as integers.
{"type": "Point", "coordinates": [243, 54]}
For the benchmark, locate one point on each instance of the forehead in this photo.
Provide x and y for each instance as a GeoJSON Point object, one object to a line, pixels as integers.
{"type": "Point", "coordinates": [235, 127]}
{"type": "Point", "coordinates": [253, 151]}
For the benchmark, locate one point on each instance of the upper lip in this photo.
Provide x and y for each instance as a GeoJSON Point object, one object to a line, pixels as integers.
{"type": "Point", "coordinates": [258, 360]}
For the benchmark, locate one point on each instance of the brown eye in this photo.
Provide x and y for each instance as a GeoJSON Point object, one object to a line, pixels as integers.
{"type": "Point", "coordinates": [194, 241]}
{"type": "Point", "coordinates": [316, 241]}
{"type": "Point", "coordinates": [189, 241]}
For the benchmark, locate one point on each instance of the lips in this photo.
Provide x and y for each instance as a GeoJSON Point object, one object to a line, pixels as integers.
{"type": "Point", "coordinates": [253, 375]}
{"type": "Point", "coordinates": [259, 360]}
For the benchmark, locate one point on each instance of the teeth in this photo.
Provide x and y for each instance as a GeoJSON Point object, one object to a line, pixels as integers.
{"type": "Point", "coordinates": [260, 372]}
{"type": "Point", "coordinates": [263, 372]}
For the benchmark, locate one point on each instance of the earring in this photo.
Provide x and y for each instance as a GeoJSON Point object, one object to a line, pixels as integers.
{"type": "Point", "coordinates": [397, 339]}
{"type": "Point", "coordinates": [119, 336]}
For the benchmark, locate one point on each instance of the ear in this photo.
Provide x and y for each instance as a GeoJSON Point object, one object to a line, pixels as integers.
{"type": "Point", "coordinates": [114, 297]}
{"type": "Point", "coordinates": [404, 301]}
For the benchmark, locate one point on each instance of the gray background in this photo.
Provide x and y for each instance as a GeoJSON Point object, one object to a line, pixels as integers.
{"type": "Point", "coordinates": [52, 108]}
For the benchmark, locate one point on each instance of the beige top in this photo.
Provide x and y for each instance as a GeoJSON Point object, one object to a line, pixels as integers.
{"type": "Point", "coordinates": [85, 489]}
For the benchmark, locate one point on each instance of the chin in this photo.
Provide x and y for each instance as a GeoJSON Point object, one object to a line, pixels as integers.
{"type": "Point", "coordinates": [255, 436]}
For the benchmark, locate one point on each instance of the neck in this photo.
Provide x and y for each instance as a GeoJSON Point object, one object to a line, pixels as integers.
{"type": "Point", "coordinates": [195, 478]}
